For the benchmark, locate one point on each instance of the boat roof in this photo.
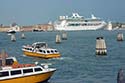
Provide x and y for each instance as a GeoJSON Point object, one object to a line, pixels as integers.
{"type": "Point", "coordinates": [77, 17]}
{"type": "Point", "coordinates": [47, 49]}
{"type": "Point", "coordinates": [41, 44]}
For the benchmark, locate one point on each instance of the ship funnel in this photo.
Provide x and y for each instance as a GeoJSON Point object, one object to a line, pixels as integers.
{"type": "Point", "coordinates": [93, 17]}
{"type": "Point", "coordinates": [76, 15]}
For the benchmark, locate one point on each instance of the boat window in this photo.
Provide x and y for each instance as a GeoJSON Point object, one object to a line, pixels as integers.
{"type": "Point", "coordinates": [77, 24]}
{"type": "Point", "coordinates": [38, 69]}
{"type": "Point", "coordinates": [29, 49]}
{"type": "Point", "coordinates": [48, 51]}
{"type": "Point", "coordinates": [84, 24]}
{"type": "Point", "coordinates": [52, 51]}
{"type": "Point", "coordinates": [15, 72]}
{"type": "Point", "coordinates": [5, 73]}
{"type": "Point", "coordinates": [56, 51]}
{"type": "Point", "coordinates": [44, 51]}
{"type": "Point", "coordinates": [41, 50]}
{"type": "Point", "coordinates": [27, 70]}
{"type": "Point", "coordinates": [8, 62]}
{"type": "Point", "coordinates": [86, 20]}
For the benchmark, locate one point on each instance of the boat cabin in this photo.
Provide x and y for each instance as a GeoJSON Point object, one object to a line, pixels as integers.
{"type": "Point", "coordinates": [39, 45]}
{"type": "Point", "coordinates": [9, 61]}
{"type": "Point", "coordinates": [18, 72]}
{"type": "Point", "coordinates": [48, 51]}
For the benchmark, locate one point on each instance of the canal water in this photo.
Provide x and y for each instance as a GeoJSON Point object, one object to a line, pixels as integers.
{"type": "Point", "coordinates": [78, 62]}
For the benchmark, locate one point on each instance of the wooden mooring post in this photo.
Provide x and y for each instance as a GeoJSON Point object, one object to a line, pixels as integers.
{"type": "Point", "coordinates": [58, 39]}
{"type": "Point", "coordinates": [100, 46]}
{"type": "Point", "coordinates": [64, 36]}
{"type": "Point", "coordinates": [13, 38]}
{"type": "Point", "coordinates": [120, 37]}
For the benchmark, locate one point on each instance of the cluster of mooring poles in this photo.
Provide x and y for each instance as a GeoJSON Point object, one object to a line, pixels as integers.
{"type": "Point", "coordinates": [13, 37]}
{"type": "Point", "coordinates": [59, 37]}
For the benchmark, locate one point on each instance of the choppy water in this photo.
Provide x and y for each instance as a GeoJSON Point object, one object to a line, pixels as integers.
{"type": "Point", "coordinates": [78, 62]}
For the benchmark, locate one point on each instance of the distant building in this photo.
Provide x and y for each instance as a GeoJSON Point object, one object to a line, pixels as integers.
{"type": "Point", "coordinates": [27, 28]}
{"type": "Point", "coordinates": [123, 25]}
{"type": "Point", "coordinates": [14, 26]}
{"type": "Point", "coordinates": [4, 28]}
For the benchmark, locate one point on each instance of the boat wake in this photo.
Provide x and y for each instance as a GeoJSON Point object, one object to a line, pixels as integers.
{"type": "Point", "coordinates": [24, 55]}
{"type": "Point", "coordinates": [64, 58]}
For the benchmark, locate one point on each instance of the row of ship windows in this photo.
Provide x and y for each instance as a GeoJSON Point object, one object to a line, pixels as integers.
{"type": "Point", "coordinates": [84, 24]}
{"type": "Point", "coordinates": [43, 51]}
{"type": "Point", "coordinates": [49, 51]}
{"type": "Point", "coordinates": [17, 72]}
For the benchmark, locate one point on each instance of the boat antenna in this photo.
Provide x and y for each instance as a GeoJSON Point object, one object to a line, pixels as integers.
{"type": "Point", "coordinates": [36, 63]}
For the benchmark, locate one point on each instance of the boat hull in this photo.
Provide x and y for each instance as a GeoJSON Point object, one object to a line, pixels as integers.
{"type": "Point", "coordinates": [78, 28]}
{"type": "Point", "coordinates": [12, 32]}
{"type": "Point", "coordinates": [46, 56]}
{"type": "Point", "coordinates": [38, 78]}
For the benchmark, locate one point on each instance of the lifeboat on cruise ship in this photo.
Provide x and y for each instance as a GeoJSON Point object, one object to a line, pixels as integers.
{"type": "Point", "coordinates": [40, 49]}
{"type": "Point", "coordinates": [24, 73]}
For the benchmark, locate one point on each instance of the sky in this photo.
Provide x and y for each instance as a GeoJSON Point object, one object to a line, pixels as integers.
{"type": "Point", "coordinates": [29, 12]}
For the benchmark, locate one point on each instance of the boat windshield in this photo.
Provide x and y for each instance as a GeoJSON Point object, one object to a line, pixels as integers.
{"type": "Point", "coordinates": [39, 45]}
{"type": "Point", "coordinates": [7, 61]}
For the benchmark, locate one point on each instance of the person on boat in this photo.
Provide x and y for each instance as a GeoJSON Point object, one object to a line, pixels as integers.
{"type": "Point", "coordinates": [120, 76]}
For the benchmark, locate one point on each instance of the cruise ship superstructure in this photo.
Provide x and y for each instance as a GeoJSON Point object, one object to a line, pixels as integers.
{"type": "Point", "coordinates": [77, 22]}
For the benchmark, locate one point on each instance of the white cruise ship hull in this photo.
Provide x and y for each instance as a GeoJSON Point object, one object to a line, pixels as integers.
{"type": "Point", "coordinates": [78, 28]}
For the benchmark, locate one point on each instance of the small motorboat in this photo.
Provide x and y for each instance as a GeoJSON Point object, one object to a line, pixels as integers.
{"type": "Point", "coordinates": [11, 72]}
{"type": "Point", "coordinates": [11, 31]}
{"type": "Point", "coordinates": [40, 49]}
{"type": "Point", "coordinates": [37, 30]}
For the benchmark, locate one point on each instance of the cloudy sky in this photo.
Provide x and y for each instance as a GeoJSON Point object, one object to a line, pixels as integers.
{"type": "Point", "coordinates": [28, 12]}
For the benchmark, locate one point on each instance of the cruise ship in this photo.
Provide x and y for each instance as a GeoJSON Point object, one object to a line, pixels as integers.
{"type": "Point", "coordinates": [77, 22]}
